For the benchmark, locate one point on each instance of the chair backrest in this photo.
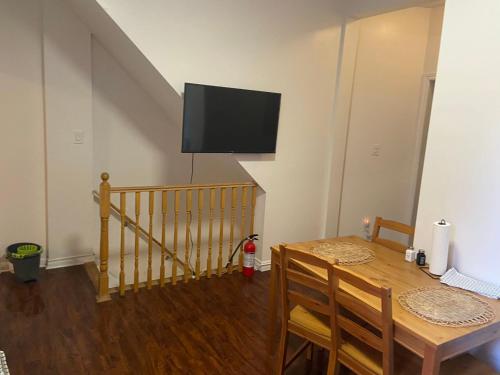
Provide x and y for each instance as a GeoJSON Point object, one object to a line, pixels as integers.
{"type": "Point", "coordinates": [311, 293]}
{"type": "Point", "coordinates": [391, 225]}
{"type": "Point", "coordinates": [349, 310]}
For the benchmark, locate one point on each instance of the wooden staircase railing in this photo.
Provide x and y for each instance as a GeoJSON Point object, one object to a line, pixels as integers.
{"type": "Point", "coordinates": [131, 224]}
{"type": "Point", "coordinates": [202, 191]}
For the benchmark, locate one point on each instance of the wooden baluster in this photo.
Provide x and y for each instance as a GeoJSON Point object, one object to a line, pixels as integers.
{"type": "Point", "coordinates": [221, 229]}
{"type": "Point", "coordinates": [210, 232]}
{"type": "Point", "coordinates": [252, 208]}
{"type": "Point", "coordinates": [176, 242]}
{"type": "Point", "coordinates": [163, 225]}
{"type": "Point", "coordinates": [150, 239]}
{"type": "Point", "coordinates": [198, 236]}
{"type": "Point", "coordinates": [136, 255]}
{"type": "Point", "coordinates": [123, 202]}
{"type": "Point", "coordinates": [231, 227]}
{"type": "Point", "coordinates": [243, 221]}
{"type": "Point", "coordinates": [105, 200]}
{"type": "Point", "coordinates": [187, 247]}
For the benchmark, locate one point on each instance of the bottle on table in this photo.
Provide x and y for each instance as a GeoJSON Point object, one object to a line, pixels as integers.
{"type": "Point", "coordinates": [421, 258]}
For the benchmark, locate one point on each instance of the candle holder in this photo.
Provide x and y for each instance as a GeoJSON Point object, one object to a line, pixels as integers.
{"type": "Point", "coordinates": [366, 228]}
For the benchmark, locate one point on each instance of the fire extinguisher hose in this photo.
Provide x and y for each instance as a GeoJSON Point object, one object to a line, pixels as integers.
{"type": "Point", "coordinates": [252, 237]}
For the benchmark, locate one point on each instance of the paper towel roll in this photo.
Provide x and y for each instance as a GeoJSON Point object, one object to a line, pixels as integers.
{"type": "Point", "coordinates": [438, 262]}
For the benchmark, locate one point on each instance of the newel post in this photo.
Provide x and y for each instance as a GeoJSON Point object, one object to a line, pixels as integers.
{"type": "Point", "coordinates": [103, 283]}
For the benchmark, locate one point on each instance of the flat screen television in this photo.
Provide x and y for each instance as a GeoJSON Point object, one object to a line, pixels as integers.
{"type": "Point", "coordinates": [222, 119]}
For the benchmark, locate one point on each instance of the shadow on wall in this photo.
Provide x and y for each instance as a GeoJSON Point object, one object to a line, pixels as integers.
{"type": "Point", "coordinates": [134, 139]}
{"type": "Point", "coordinates": [136, 142]}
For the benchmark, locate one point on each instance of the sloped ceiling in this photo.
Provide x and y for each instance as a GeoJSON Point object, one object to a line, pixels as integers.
{"type": "Point", "coordinates": [143, 70]}
{"type": "Point", "coordinates": [366, 8]}
{"type": "Point", "coordinates": [130, 57]}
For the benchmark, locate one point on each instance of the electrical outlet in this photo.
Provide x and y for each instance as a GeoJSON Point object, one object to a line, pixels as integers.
{"type": "Point", "coordinates": [376, 150]}
{"type": "Point", "coordinates": [78, 137]}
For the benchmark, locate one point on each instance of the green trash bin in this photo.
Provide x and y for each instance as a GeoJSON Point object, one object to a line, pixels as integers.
{"type": "Point", "coordinates": [25, 257]}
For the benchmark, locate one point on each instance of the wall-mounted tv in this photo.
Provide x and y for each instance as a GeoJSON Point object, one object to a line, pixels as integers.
{"type": "Point", "coordinates": [222, 119]}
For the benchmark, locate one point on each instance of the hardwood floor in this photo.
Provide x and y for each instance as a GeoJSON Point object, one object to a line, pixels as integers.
{"type": "Point", "coordinates": [216, 326]}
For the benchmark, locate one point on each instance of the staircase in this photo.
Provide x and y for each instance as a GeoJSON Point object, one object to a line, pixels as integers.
{"type": "Point", "coordinates": [198, 225]}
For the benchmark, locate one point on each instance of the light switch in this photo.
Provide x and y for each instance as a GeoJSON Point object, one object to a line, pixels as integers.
{"type": "Point", "coordinates": [376, 150]}
{"type": "Point", "coordinates": [78, 136]}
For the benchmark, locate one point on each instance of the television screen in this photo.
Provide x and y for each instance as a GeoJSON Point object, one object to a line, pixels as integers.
{"type": "Point", "coordinates": [222, 119]}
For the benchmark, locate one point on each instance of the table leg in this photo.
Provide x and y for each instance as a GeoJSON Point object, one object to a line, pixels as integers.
{"type": "Point", "coordinates": [432, 360]}
{"type": "Point", "coordinates": [272, 301]}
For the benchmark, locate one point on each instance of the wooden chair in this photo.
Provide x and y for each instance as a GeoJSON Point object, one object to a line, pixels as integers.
{"type": "Point", "coordinates": [357, 335]}
{"type": "Point", "coordinates": [313, 301]}
{"type": "Point", "coordinates": [391, 225]}
{"type": "Point", "coordinates": [363, 335]}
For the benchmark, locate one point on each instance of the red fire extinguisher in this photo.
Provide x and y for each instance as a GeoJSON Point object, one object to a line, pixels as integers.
{"type": "Point", "coordinates": [248, 255]}
{"type": "Point", "coordinates": [249, 258]}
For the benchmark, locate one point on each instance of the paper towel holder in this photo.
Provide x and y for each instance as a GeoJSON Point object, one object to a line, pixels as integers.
{"type": "Point", "coordinates": [425, 269]}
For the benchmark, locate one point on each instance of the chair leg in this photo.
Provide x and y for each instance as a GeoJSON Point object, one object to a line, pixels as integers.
{"type": "Point", "coordinates": [282, 352]}
{"type": "Point", "coordinates": [309, 352]}
{"type": "Point", "coordinates": [333, 365]}
{"type": "Point", "coordinates": [309, 358]}
{"type": "Point", "coordinates": [273, 302]}
{"type": "Point", "coordinates": [319, 360]}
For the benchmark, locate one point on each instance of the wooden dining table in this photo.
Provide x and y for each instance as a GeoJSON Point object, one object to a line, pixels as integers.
{"type": "Point", "coordinates": [433, 343]}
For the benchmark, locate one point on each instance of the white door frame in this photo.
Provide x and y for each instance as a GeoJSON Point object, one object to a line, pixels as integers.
{"type": "Point", "coordinates": [427, 80]}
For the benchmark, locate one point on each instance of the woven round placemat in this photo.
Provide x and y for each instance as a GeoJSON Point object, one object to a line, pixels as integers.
{"type": "Point", "coordinates": [446, 306]}
{"type": "Point", "coordinates": [346, 253]}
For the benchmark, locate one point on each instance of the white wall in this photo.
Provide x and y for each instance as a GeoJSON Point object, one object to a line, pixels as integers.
{"type": "Point", "coordinates": [460, 179]}
{"type": "Point", "coordinates": [386, 88]}
{"type": "Point", "coordinates": [136, 142]}
{"type": "Point", "coordinates": [68, 106]}
{"type": "Point", "coordinates": [296, 56]}
{"type": "Point", "coordinates": [22, 165]}
{"type": "Point", "coordinates": [290, 48]}
{"type": "Point", "coordinates": [342, 115]}
{"type": "Point", "coordinates": [47, 79]}
{"type": "Point", "coordinates": [134, 139]}
{"type": "Point", "coordinates": [434, 39]}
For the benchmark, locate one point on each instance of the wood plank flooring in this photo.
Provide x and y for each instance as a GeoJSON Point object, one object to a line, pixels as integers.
{"type": "Point", "coordinates": [216, 326]}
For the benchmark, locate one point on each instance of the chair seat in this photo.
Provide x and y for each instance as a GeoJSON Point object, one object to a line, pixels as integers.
{"type": "Point", "coordinates": [363, 354]}
{"type": "Point", "coordinates": [406, 362]}
{"type": "Point", "coordinates": [303, 317]}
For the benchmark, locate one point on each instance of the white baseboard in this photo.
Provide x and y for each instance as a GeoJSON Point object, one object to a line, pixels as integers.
{"type": "Point", "coordinates": [262, 266]}
{"type": "Point", "coordinates": [69, 261]}
{"type": "Point", "coordinates": [5, 265]}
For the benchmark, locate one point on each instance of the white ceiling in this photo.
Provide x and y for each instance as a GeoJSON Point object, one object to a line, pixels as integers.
{"type": "Point", "coordinates": [366, 8]}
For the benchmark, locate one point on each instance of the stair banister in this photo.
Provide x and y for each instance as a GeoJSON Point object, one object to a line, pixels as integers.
{"type": "Point", "coordinates": [105, 200]}
{"type": "Point", "coordinates": [238, 200]}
